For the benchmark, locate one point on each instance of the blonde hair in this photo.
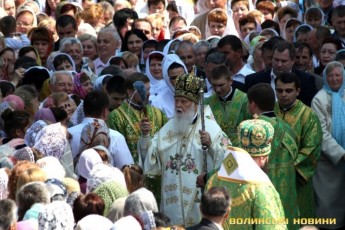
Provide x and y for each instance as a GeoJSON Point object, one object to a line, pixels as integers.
{"type": "Point", "coordinates": [332, 65]}
{"type": "Point", "coordinates": [59, 97]}
{"type": "Point", "coordinates": [130, 58]}
{"type": "Point", "coordinates": [189, 37]}
{"type": "Point", "coordinates": [71, 185]}
{"type": "Point", "coordinates": [92, 13]}
{"type": "Point", "coordinates": [47, 22]}
{"type": "Point", "coordinates": [155, 17]}
{"type": "Point", "coordinates": [259, 18]}
{"type": "Point", "coordinates": [31, 175]}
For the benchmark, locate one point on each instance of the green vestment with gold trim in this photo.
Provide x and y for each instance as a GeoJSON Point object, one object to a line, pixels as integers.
{"type": "Point", "coordinates": [253, 196]}
{"type": "Point", "coordinates": [229, 114]}
{"type": "Point", "coordinates": [125, 119]}
{"type": "Point", "coordinates": [281, 167]}
{"type": "Point", "coordinates": [306, 125]}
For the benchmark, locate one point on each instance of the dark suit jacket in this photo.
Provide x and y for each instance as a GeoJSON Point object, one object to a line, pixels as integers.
{"type": "Point", "coordinates": [308, 88]}
{"type": "Point", "coordinates": [204, 224]}
{"type": "Point", "coordinates": [57, 45]}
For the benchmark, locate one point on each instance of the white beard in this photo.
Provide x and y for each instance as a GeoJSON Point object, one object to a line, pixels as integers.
{"type": "Point", "coordinates": [184, 120]}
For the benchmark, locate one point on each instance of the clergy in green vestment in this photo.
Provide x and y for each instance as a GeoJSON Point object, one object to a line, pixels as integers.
{"type": "Point", "coordinates": [131, 116]}
{"type": "Point", "coordinates": [228, 104]}
{"type": "Point", "coordinates": [306, 125]}
{"type": "Point", "coordinates": [281, 164]}
{"type": "Point", "coordinates": [255, 202]}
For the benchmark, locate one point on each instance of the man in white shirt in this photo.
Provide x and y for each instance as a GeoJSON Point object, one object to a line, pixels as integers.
{"type": "Point", "coordinates": [231, 46]}
{"type": "Point", "coordinates": [96, 106]}
{"type": "Point", "coordinates": [108, 40]}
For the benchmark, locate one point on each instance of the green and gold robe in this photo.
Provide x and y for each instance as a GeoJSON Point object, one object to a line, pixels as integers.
{"type": "Point", "coordinates": [255, 203]}
{"type": "Point", "coordinates": [306, 125]}
{"type": "Point", "coordinates": [229, 114]}
{"type": "Point", "coordinates": [281, 167]}
{"type": "Point", "coordinates": [125, 119]}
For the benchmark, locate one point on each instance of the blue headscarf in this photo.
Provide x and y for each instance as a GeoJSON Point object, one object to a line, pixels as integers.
{"type": "Point", "coordinates": [338, 105]}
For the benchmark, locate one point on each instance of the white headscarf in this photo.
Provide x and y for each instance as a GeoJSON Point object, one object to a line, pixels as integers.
{"type": "Point", "coordinates": [93, 221]}
{"type": "Point", "coordinates": [98, 86]}
{"type": "Point", "coordinates": [297, 28]}
{"type": "Point", "coordinates": [230, 25]}
{"type": "Point", "coordinates": [167, 46]}
{"type": "Point", "coordinates": [63, 54]}
{"type": "Point", "coordinates": [156, 86]}
{"type": "Point", "coordinates": [283, 33]}
{"type": "Point", "coordinates": [88, 159]}
{"type": "Point", "coordinates": [168, 60]}
{"type": "Point", "coordinates": [322, 15]}
{"type": "Point", "coordinates": [125, 223]}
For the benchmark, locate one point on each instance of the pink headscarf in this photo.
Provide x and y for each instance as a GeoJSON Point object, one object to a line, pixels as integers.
{"type": "Point", "coordinates": [16, 102]}
{"type": "Point", "coordinates": [45, 114]}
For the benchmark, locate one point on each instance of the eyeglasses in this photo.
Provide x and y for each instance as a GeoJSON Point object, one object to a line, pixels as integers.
{"type": "Point", "coordinates": [23, 24]}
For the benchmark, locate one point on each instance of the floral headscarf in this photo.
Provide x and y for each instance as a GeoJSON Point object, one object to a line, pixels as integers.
{"type": "Point", "coordinates": [24, 154]}
{"type": "Point", "coordinates": [3, 184]}
{"type": "Point", "coordinates": [102, 173]}
{"type": "Point", "coordinates": [93, 134]}
{"type": "Point", "coordinates": [57, 215]}
{"type": "Point", "coordinates": [110, 191]}
{"type": "Point", "coordinates": [52, 140]}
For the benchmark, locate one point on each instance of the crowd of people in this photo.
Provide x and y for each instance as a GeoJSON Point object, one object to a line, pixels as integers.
{"type": "Point", "coordinates": [172, 114]}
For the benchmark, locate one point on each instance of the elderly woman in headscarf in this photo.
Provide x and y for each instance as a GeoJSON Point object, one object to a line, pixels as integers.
{"type": "Point", "coordinates": [93, 134]}
{"type": "Point", "coordinates": [329, 178]}
{"type": "Point", "coordinates": [56, 215]}
{"type": "Point", "coordinates": [88, 159]}
{"type": "Point", "coordinates": [52, 141]}
{"type": "Point", "coordinates": [110, 191]}
{"type": "Point", "coordinates": [94, 221]}
{"type": "Point", "coordinates": [101, 173]}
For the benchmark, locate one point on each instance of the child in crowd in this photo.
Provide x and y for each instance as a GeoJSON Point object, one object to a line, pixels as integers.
{"type": "Point", "coordinates": [12, 39]}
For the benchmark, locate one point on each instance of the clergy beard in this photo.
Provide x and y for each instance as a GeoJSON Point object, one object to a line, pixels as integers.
{"type": "Point", "coordinates": [183, 120]}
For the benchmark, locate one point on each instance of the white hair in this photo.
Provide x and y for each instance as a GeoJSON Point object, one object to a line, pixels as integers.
{"type": "Point", "coordinates": [69, 41]}
{"type": "Point", "coordinates": [112, 32]}
{"type": "Point", "coordinates": [62, 72]}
